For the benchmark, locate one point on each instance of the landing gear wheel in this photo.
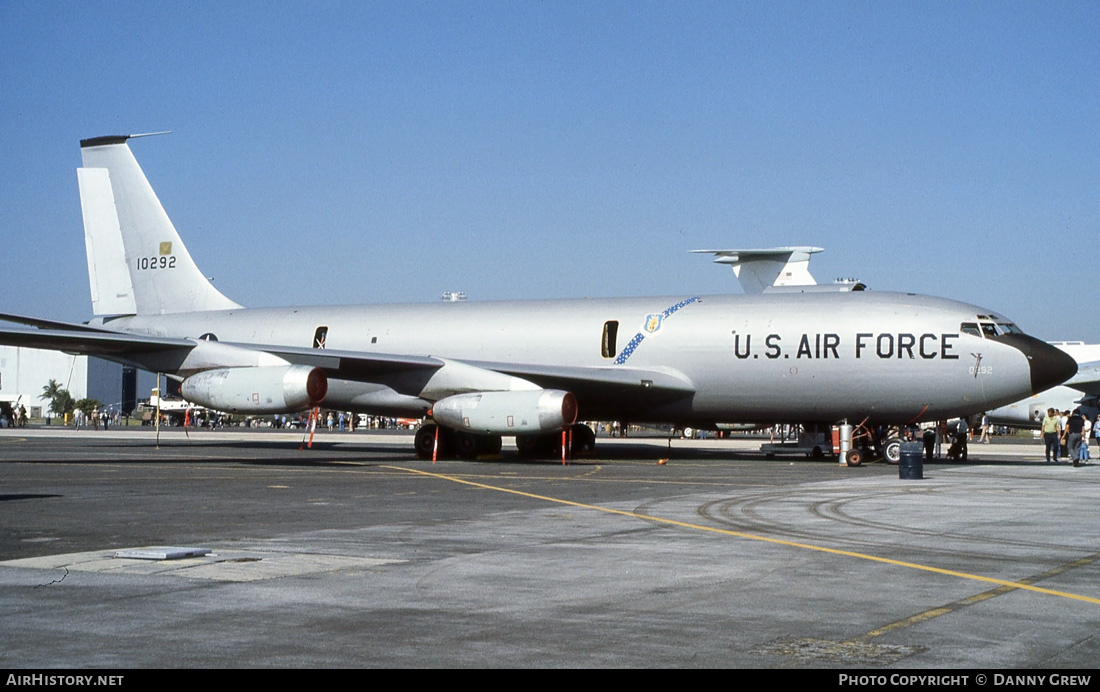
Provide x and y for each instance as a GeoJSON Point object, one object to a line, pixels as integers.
{"type": "Point", "coordinates": [584, 440]}
{"type": "Point", "coordinates": [424, 442]}
{"type": "Point", "coordinates": [490, 444]}
{"type": "Point", "coordinates": [892, 452]}
{"type": "Point", "coordinates": [854, 457]}
{"type": "Point", "coordinates": [467, 445]}
{"type": "Point", "coordinates": [530, 446]}
{"type": "Point", "coordinates": [471, 446]}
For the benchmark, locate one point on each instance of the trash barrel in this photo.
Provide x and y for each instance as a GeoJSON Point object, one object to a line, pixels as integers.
{"type": "Point", "coordinates": [911, 465]}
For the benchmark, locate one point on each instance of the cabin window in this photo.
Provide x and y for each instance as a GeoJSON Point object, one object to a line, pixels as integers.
{"type": "Point", "coordinates": [989, 329]}
{"type": "Point", "coordinates": [970, 328]}
{"type": "Point", "coordinates": [319, 337]}
{"type": "Point", "coordinates": [607, 344]}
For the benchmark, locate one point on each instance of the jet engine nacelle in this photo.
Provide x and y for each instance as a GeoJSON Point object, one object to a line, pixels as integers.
{"type": "Point", "coordinates": [508, 413]}
{"type": "Point", "coordinates": [267, 389]}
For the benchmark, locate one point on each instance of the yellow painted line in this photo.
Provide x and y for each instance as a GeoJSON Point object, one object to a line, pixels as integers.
{"type": "Point", "coordinates": [777, 541]}
{"type": "Point", "coordinates": [976, 598]}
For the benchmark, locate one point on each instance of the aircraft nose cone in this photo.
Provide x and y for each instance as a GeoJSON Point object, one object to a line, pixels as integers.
{"type": "Point", "coordinates": [1050, 366]}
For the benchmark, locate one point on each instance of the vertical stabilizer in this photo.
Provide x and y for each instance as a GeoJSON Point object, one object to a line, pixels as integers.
{"type": "Point", "coordinates": [132, 243]}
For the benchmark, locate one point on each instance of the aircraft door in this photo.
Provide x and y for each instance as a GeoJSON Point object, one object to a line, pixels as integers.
{"type": "Point", "coordinates": [607, 343]}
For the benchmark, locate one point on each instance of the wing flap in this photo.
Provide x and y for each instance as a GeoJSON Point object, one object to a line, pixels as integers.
{"type": "Point", "coordinates": [604, 388]}
{"type": "Point", "coordinates": [349, 365]}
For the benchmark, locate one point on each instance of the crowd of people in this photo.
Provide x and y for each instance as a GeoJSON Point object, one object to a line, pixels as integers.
{"type": "Point", "coordinates": [1066, 436]}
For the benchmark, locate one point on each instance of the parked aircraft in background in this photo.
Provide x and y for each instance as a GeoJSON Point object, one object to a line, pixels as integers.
{"type": "Point", "coordinates": [1082, 390]}
{"type": "Point", "coordinates": [529, 369]}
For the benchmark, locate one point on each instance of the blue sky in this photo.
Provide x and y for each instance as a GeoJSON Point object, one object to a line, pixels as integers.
{"type": "Point", "coordinates": [355, 152]}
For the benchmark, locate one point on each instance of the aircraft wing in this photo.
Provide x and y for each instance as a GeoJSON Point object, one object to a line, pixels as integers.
{"type": "Point", "coordinates": [349, 365]}
{"type": "Point", "coordinates": [48, 324]}
{"type": "Point", "coordinates": [581, 378]}
{"type": "Point", "coordinates": [81, 338]}
{"type": "Point", "coordinates": [603, 388]}
{"type": "Point", "coordinates": [406, 373]}
{"type": "Point", "coordinates": [91, 342]}
{"type": "Point", "coordinates": [590, 384]}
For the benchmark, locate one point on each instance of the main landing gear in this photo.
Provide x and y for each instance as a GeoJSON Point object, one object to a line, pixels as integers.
{"type": "Point", "coordinates": [453, 443]}
{"type": "Point", "coordinates": [466, 445]}
{"type": "Point", "coordinates": [548, 446]}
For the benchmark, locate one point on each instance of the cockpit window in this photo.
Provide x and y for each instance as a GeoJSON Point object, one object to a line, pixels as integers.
{"type": "Point", "coordinates": [989, 329]}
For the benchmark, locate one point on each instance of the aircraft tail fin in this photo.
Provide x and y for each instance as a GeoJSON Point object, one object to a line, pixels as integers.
{"type": "Point", "coordinates": [137, 263]}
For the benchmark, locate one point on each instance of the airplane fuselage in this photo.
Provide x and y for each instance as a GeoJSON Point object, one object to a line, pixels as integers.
{"type": "Point", "coordinates": [799, 357]}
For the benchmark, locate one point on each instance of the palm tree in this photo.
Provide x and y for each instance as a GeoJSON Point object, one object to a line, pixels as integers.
{"type": "Point", "coordinates": [61, 402]}
{"type": "Point", "coordinates": [49, 392]}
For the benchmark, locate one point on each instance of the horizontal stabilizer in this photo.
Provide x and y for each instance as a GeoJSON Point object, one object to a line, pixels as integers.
{"type": "Point", "coordinates": [760, 269]}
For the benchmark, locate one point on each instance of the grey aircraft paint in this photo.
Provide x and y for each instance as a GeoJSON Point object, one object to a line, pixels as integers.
{"type": "Point", "coordinates": [823, 357]}
{"type": "Point", "coordinates": [699, 360]}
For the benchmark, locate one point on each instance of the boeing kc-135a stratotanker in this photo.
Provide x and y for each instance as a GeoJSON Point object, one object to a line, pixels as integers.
{"type": "Point", "coordinates": [529, 369]}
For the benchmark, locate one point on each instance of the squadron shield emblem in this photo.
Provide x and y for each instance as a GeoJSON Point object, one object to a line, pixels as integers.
{"type": "Point", "coordinates": [653, 322]}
